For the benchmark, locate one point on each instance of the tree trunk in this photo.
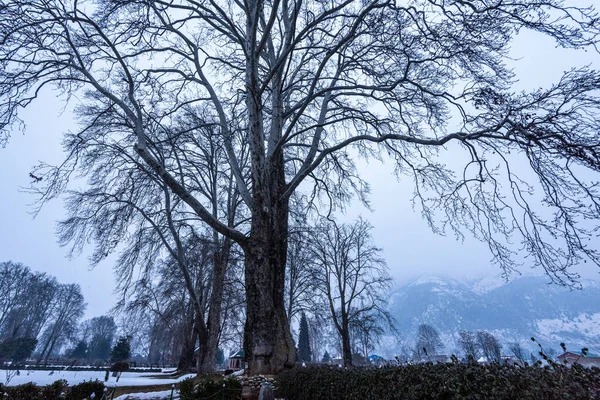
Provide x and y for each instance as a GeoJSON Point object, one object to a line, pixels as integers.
{"type": "Point", "coordinates": [209, 341]}
{"type": "Point", "coordinates": [268, 343]}
{"type": "Point", "coordinates": [50, 350]}
{"type": "Point", "coordinates": [346, 348]}
{"type": "Point", "coordinates": [186, 358]}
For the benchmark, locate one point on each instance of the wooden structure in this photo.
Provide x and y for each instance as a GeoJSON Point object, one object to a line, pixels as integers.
{"type": "Point", "coordinates": [237, 361]}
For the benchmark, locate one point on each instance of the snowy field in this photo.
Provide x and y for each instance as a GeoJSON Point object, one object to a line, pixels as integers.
{"type": "Point", "coordinates": [42, 378]}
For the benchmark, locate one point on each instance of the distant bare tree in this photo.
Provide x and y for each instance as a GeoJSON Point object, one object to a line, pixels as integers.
{"type": "Point", "coordinates": [99, 333]}
{"type": "Point", "coordinates": [352, 276]}
{"type": "Point", "coordinates": [518, 351]}
{"type": "Point", "coordinates": [428, 340]}
{"type": "Point", "coordinates": [490, 346]}
{"type": "Point", "coordinates": [469, 344]}
{"type": "Point", "coordinates": [163, 297]}
{"type": "Point", "coordinates": [367, 330]}
{"type": "Point", "coordinates": [171, 298]}
{"type": "Point", "coordinates": [27, 300]}
{"type": "Point", "coordinates": [300, 289]}
{"type": "Point", "coordinates": [406, 349]}
{"type": "Point", "coordinates": [318, 325]}
{"type": "Point", "coordinates": [68, 307]}
{"type": "Point", "coordinates": [14, 279]}
{"type": "Point", "coordinates": [293, 89]}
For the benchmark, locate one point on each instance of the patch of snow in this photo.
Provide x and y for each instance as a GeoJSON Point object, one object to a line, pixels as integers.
{"type": "Point", "coordinates": [429, 279]}
{"type": "Point", "coordinates": [43, 378]}
{"type": "Point", "coordinates": [162, 395]}
{"type": "Point", "coordinates": [590, 284]}
{"type": "Point", "coordinates": [586, 324]}
{"type": "Point", "coordinates": [487, 284]}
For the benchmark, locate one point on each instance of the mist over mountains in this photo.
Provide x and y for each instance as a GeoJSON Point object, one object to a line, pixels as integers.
{"type": "Point", "coordinates": [513, 311]}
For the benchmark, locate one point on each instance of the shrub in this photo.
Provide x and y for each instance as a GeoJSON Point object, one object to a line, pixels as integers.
{"type": "Point", "coordinates": [186, 389]}
{"type": "Point", "coordinates": [30, 391]}
{"type": "Point", "coordinates": [84, 390]}
{"type": "Point", "coordinates": [54, 390]}
{"type": "Point", "coordinates": [440, 381]}
{"type": "Point", "coordinates": [208, 388]}
{"type": "Point", "coordinates": [27, 391]}
{"type": "Point", "coordinates": [120, 366]}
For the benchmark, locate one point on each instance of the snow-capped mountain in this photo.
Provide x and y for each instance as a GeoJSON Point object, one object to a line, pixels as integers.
{"type": "Point", "coordinates": [513, 311]}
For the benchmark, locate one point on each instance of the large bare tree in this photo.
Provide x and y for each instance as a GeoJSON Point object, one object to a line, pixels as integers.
{"type": "Point", "coordinates": [351, 276]}
{"type": "Point", "coordinates": [68, 307]}
{"type": "Point", "coordinates": [295, 88]}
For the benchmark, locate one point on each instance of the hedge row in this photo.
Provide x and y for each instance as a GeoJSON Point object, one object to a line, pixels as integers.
{"type": "Point", "coordinates": [57, 390]}
{"type": "Point", "coordinates": [227, 389]}
{"type": "Point", "coordinates": [440, 381]}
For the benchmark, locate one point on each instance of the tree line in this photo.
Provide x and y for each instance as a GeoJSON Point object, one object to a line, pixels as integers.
{"type": "Point", "coordinates": [336, 278]}
{"type": "Point", "coordinates": [472, 346]}
{"type": "Point", "coordinates": [41, 321]}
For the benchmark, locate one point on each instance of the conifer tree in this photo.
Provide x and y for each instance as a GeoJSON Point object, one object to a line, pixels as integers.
{"type": "Point", "coordinates": [122, 350]}
{"type": "Point", "coordinates": [304, 340]}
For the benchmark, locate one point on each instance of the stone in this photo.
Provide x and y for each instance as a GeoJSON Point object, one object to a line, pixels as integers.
{"type": "Point", "coordinates": [266, 392]}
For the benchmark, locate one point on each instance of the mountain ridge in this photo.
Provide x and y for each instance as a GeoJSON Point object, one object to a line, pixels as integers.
{"type": "Point", "coordinates": [515, 310]}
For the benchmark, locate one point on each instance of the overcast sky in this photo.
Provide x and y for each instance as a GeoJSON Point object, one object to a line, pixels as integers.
{"type": "Point", "coordinates": [409, 246]}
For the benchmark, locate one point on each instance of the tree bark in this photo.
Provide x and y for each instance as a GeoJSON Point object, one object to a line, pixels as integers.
{"type": "Point", "coordinates": [210, 340]}
{"type": "Point", "coordinates": [268, 343]}
{"type": "Point", "coordinates": [186, 358]}
{"type": "Point", "coordinates": [346, 348]}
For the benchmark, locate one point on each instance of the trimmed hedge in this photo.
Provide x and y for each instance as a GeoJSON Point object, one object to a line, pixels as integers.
{"type": "Point", "coordinates": [29, 391]}
{"type": "Point", "coordinates": [209, 389]}
{"type": "Point", "coordinates": [440, 381]}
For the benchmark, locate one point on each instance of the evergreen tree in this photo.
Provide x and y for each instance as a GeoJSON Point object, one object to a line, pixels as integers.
{"type": "Point", "coordinates": [326, 357]}
{"type": "Point", "coordinates": [121, 351]}
{"type": "Point", "coordinates": [304, 341]}
{"type": "Point", "coordinates": [17, 350]}
{"type": "Point", "coordinates": [80, 351]}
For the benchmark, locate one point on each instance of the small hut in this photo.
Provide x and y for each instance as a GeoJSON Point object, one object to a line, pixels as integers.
{"type": "Point", "coordinates": [236, 361]}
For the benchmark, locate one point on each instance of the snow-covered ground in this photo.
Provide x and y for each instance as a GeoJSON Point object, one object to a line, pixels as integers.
{"type": "Point", "coordinates": [43, 378]}
{"type": "Point", "coordinates": [149, 396]}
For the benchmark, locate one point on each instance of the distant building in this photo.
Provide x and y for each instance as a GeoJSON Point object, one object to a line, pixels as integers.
{"type": "Point", "coordinates": [236, 361]}
{"type": "Point", "coordinates": [570, 358]}
{"type": "Point", "coordinates": [374, 359]}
